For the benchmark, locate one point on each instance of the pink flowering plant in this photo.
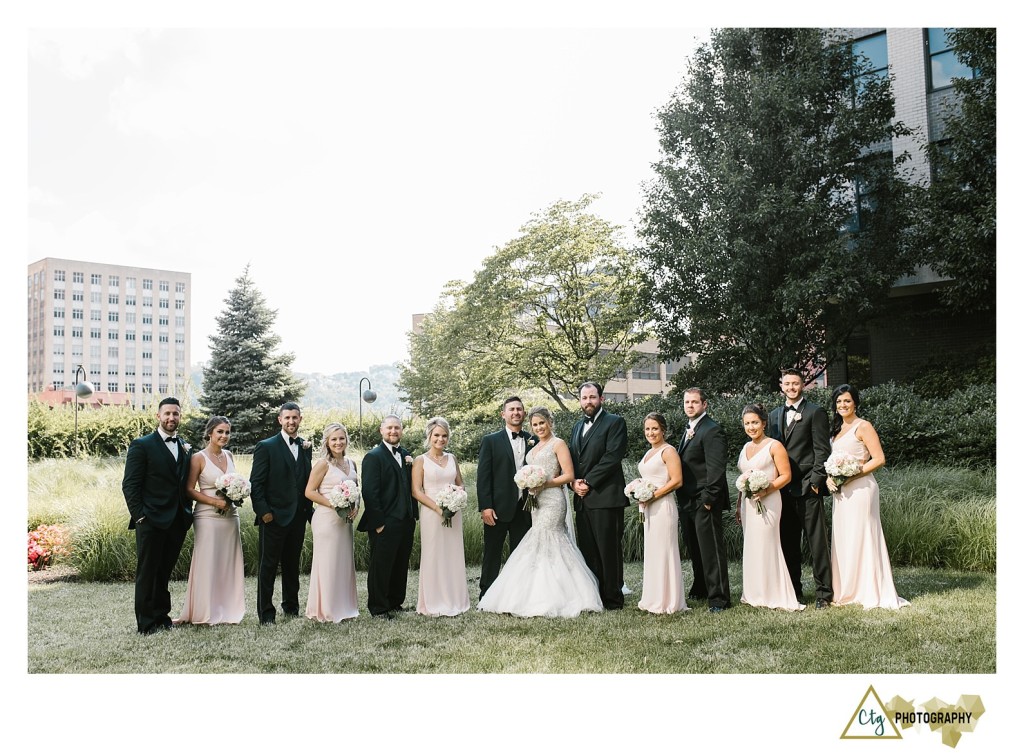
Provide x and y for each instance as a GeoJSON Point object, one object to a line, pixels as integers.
{"type": "Point", "coordinates": [45, 545]}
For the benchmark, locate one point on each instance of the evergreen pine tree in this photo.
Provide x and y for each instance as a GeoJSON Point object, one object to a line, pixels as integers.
{"type": "Point", "coordinates": [245, 380]}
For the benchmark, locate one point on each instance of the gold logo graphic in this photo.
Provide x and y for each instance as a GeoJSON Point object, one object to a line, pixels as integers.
{"type": "Point", "coordinates": [871, 720]}
{"type": "Point", "coordinates": [951, 720]}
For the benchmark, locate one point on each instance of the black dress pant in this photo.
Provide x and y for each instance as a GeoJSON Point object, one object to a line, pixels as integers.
{"type": "Point", "coordinates": [388, 572]}
{"type": "Point", "coordinates": [494, 542]}
{"type": "Point", "coordinates": [279, 546]}
{"type": "Point", "coordinates": [157, 550]}
{"type": "Point", "coordinates": [599, 533]}
{"type": "Point", "coordinates": [705, 541]}
{"type": "Point", "coordinates": [806, 515]}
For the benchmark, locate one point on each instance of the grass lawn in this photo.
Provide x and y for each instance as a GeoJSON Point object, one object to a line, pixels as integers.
{"type": "Point", "coordinates": [76, 627]}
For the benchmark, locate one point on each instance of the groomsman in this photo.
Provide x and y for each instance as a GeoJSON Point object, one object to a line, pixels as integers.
{"type": "Point", "coordinates": [803, 429]}
{"type": "Point", "coordinates": [389, 519]}
{"type": "Point", "coordinates": [280, 470]}
{"type": "Point", "coordinates": [598, 445]}
{"type": "Point", "coordinates": [500, 501]}
{"type": "Point", "coordinates": [702, 498]}
{"type": "Point", "coordinates": [155, 472]}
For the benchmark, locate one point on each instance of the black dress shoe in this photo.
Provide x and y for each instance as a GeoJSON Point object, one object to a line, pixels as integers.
{"type": "Point", "coordinates": [716, 610]}
{"type": "Point", "coordinates": [271, 621]}
{"type": "Point", "coordinates": [290, 613]}
{"type": "Point", "coordinates": [385, 616]}
{"type": "Point", "coordinates": [821, 604]}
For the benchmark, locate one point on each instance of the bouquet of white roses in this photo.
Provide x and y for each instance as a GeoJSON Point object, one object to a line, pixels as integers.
{"type": "Point", "coordinates": [840, 466]}
{"type": "Point", "coordinates": [751, 482]}
{"type": "Point", "coordinates": [451, 499]}
{"type": "Point", "coordinates": [530, 477]}
{"type": "Point", "coordinates": [232, 487]}
{"type": "Point", "coordinates": [344, 497]}
{"type": "Point", "coordinates": [640, 490]}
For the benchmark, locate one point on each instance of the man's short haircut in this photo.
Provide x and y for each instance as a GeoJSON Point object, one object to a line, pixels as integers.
{"type": "Point", "coordinates": [289, 406]}
{"type": "Point", "coordinates": [595, 385]}
{"type": "Point", "coordinates": [390, 417]}
{"type": "Point", "coordinates": [696, 390]}
{"type": "Point", "coordinates": [512, 399]}
{"type": "Point", "coordinates": [793, 372]}
{"type": "Point", "coordinates": [168, 401]}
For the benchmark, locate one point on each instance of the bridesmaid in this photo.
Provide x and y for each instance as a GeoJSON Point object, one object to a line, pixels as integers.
{"type": "Point", "coordinates": [443, 589]}
{"type": "Point", "coordinates": [216, 577]}
{"type": "Point", "coordinates": [861, 572]}
{"type": "Point", "coordinates": [663, 572]}
{"type": "Point", "coordinates": [766, 581]}
{"type": "Point", "coordinates": [332, 578]}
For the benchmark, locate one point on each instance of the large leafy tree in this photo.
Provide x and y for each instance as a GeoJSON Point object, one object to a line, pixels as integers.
{"type": "Point", "coordinates": [773, 226]}
{"type": "Point", "coordinates": [553, 307]}
{"type": "Point", "coordinates": [245, 379]}
{"type": "Point", "coordinates": [957, 222]}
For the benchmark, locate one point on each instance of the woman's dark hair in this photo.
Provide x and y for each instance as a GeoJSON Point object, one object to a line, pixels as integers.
{"type": "Point", "coordinates": [212, 424]}
{"type": "Point", "coordinates": [658, 419]}
{"type": "Point", "coordinates": [837, 420]}
{"type": "Point", "coordinates": [758, 410]}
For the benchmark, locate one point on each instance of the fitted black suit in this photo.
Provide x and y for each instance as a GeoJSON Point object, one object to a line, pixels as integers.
{"type": "Point", "coordinates": [387, 502]}
{"type": "Point", "coordinates": [807, 443]}
{"type": "Point", "coordinates": [702, 498]}
{"type": "Point", "coordinates": [495, 490]}
{"type": "Point", "coordinates": [279, 487]}
{"type": "Point", "coordinates": [600, 515]}
{"type": "Point", "coordinates": [161, 513]}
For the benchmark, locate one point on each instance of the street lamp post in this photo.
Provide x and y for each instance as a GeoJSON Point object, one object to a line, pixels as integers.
{"type": "Point", "coordinates": [368, 395]}
{"type": "Point", "coordinates": [82, 389]}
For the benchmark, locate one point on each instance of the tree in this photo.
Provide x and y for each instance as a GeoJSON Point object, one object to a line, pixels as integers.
{"type": "Point", "coordinates": [244, 379]}
{"type": "Point", "coordinates": [554, 307]}
{"type": "Point", "coordinates": [773, 226]}
{"type": "Point", "coordinates": [957, 222]}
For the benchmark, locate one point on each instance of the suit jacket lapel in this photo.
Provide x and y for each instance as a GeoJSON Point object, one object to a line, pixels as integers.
{"type": "Point", "coordinates": [790, 424]}
{"type": "Point", "coordinates": [584, 438]}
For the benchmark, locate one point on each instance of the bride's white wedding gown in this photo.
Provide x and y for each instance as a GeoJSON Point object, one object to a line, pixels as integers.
{"type": "Point", "coordinates": [546, 575]}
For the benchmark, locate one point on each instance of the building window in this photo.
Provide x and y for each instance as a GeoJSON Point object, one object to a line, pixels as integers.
{"type": "Point", "coordinates": [147, 355]}
{"type": "Point", "coordinates": [113, 281]}
{"type": "Point", "coordinates": [179, 321]}
{"type": "Point", "coordinates": [94, 372]}
{"type": "Point", "coordinates": [179, 287]}
{"type": "Point", "coordinates": [647, 369]}
{"type": "Point", "coordinates": [95, 315]}
{"type": "Point", "coordinates": [944, 63]}
{"type": "Point", "coordinates": [77, 295]}
{"type": "Point", "coordinates": [112, 352]}
{"type": "Point", "coordinates": [147, 284]}
{"type": "Point", "coordinates": [147, 302]}
{"type": "Point", "coordinates": [112, 369]}
{"type": "Point", "coordinates": [873, 53]}
{"type": "Point", "coordinates": [58, 351]}
{"type": "Point", "coordinates": [147, 337]}
{"type": "Point", "coordinates": [111, 316]}
{"type": "Point", "coordinates": [164, 303]}
{"type": "Point", "coordinates": [58, 275]}
{"type": "Point", "coordinates": [95, 297]}
{"type": "Point", "coordinates": [129, 387]}
{"type": "Point", "coordinates": [146, 319]}
{"type": "Point", "coordinates": [111, 386]}
{"type": "Point", "coordinates": [129, 334]}
{"type": "Point", "coordinates": [164, 286]}
{"type": "Point", "coordinates": [179, 338]}
{"type": "Point", "coordinates": [129, 317]}
{"type": "Point", "coordinates": [164, 321]}
{"type": "Point", "coordinates": [672, 367]}
{"type": "Point", "coordinates": [129, 300]}
{"type": "Point", "coordinates": [94, 333]}
{"type": "Point", "coordinates": [163, 337]}
{"type": "Point", "coordinates": [78, 314]}
{"type": "Point", "coordinates": [129, 282]}
{"type": "Point", "coordinates": [129, 369]}
{"type": "Point", "coordinates": [78, 277]}
{"type": "Point", "coordinates": [113, 335]}
{"type": "Point", "coordinates": [96, 279]}
{"type": "Point", "coordinates": [58, 294]}
{"type": "Point", "coordinates": [58, 313]}
{"type": "Point", "coordinates": [76, 332]}
{"type": "Point", "coordinates": [58, 384]}
{"type": "Point", "coordinates": [112, 299]}
{"type": "Point", "coordinates": [179, 305]}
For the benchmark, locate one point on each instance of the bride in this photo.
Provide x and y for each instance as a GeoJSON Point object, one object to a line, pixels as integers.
{"type": "Point", "coordinates": [546, 575]}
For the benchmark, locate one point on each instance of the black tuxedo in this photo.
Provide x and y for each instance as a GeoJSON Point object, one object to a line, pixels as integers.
{"type": "Point", "coordinates": [807, 443]}
{"type": "Point", "coordinates": [387, 502]}
{"type": "Point", "coordinates": [279, 487]}
{"type": "Point", "coordinates": [161, 513]}
{"type": "Point", "coordinates": [495, 490]}
{"type": "Point", "coordinates": [600, 515]}
{"type": "Point", "coordinates": [702, 498]}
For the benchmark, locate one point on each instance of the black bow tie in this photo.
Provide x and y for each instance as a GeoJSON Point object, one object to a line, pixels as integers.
{"type": "Point", "coordinates": [790, 408]}
{"type": "Point", "coordinates": [588, 419]}
{"type": "Point", "coordinates": [395, 450]}
{"type": "Point", "coordinates": [170, 439]}
{"type": "Point", "coordinates": [516, 434]}
{"type": "Point", "coordinates": [293, 440]}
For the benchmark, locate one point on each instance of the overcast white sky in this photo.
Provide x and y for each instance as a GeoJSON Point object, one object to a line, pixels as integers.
{"type": "Point", "coordinates": [357, 170]}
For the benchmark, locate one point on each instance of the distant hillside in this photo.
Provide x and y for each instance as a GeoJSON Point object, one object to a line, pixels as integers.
{"type": "Point", "coordinates": [341, 390]}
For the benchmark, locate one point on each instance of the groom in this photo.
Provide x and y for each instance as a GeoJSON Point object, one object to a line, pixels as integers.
{"type": "Point", "coordinates": [803, 429]}
{"type": "Point", "coordinates": [161, 513]}
{"type": "Point", "coordinates": [280, 470]}
{"type": "Point", "coordinates": [502, 454]}
{"type": "Point", "coordinates": [597, 446]}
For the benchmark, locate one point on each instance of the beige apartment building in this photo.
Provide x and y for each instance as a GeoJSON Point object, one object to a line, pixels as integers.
{"type": "Point", "coordinates": [128, 327]}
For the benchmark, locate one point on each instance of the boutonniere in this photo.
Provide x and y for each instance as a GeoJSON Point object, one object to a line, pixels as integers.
{"type": "Point", "coordinates": [408, 459]}
{"type": "Point", "coordinates": [306, 444]}
{"type": "Point", "coordinates": [797, 416]}
{"type": "Point", "coordinates": [187, 446]}
{"type": "Point", "coordinates": [689, 434]}
{"type": "Point", "coordinates": [531, 442]}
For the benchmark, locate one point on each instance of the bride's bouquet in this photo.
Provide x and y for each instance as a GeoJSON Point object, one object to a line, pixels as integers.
{"type": "Point", "coordinates": [451, 499]}
{"type": "Point", "coordinates": [751, 482]}
{"type": "Point", "coordinates": [840, 466]}
{"type": "Point", "coordinates": [344, 497]}
{"type": "Point", "coordinates": [640, 490]}
{"type": "Point", "coordinates": [232, 487]}
{"type": "Point", "coordinates": [530, 477]}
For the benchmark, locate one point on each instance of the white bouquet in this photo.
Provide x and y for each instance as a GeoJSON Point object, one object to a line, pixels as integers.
{"type": "Point", "coordinates": [640, 490]}
{"type": "Point", "coordinates": [344, 497]}
{"type": "Point", "coordinates": [840, 466]}
{"type": "Point", "coordinates": [751, 482]}
{"type": "Point", "coordinates": [232, 487]}
{"type": "Point", "coordinates": [530, 477]}
{"type": "Point", "coordinates": [451, 499]}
